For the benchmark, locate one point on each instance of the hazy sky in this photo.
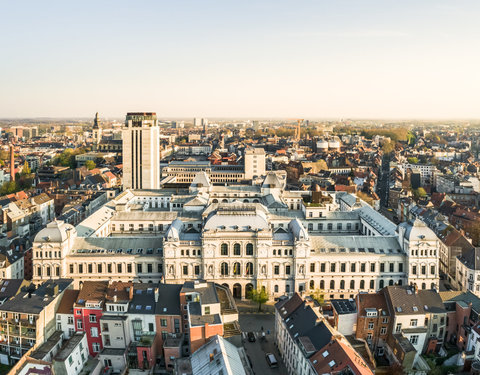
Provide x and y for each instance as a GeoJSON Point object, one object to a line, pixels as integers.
{"type": "Point", "coordinates": [336, 59]}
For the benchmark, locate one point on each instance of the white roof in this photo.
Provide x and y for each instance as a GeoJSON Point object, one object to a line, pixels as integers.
{"type": "Point", "coordinates": [225, 357]}
{"type": "Point", "coordinates": [55, 231]}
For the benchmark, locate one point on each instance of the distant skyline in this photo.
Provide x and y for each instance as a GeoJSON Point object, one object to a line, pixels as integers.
{"type": "Point", "coordinates": [228, 59]}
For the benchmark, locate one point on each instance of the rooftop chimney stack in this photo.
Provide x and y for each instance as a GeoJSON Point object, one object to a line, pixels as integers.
{"type": "Point", "coordinates": [12, 164]}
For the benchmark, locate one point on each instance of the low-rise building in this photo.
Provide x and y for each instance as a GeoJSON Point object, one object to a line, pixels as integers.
{"type": "Point", "coordinates": [73, 356]}
{"type": "Point", "coordinates": [28, 318]}
{"type": "Point", "coordinates": [308, 344]}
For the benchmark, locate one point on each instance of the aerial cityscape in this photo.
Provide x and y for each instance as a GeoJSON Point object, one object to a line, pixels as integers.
{"type": "Point", "coordinates": [225, 188]}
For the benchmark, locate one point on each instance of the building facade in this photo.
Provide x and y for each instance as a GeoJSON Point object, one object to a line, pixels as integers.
{"type": "Point", "coordinates": [141, 151]}
{"type": "Point", "coordinates": [244, 237]}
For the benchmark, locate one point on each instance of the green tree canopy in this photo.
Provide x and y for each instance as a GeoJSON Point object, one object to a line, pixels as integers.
{"type": "Point", "coordinates": [90, 164]}
{"type": "Point", "coordinates": [259, 296]}
{"type": "Point", "coordinates": [26, 168]}
{"type": "Point", "coordinates": [419, 193]}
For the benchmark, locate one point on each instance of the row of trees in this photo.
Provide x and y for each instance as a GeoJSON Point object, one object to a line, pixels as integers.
{"type": "Point", "coordinates": [260, 296]}
{"type": "Point", "coordinates": [23, 181]}
{"type": "Point", "coordinates": [67, 157]}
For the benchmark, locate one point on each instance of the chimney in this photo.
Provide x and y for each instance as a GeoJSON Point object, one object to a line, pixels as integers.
{"type": "Point", "coordinates": [12, 164]}
{"type": "Point", "coordinates": [130, 293]}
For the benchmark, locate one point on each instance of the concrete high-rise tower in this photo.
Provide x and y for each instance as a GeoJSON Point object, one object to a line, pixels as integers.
{"type": "Point", "coordinates": [141, 151]}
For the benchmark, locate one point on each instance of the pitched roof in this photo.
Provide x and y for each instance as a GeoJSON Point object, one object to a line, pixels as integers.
{"type": "Point", "coordinates": [471, 259]}
{"type": "Point", "coordinates": [288, 306]}
{"type": "Point", "coordinates": [339, 356]}
{"type": "Point", "coordinates": [404, 300]}
{"type": "Point", "coordinates": [372, 300]}
{"type": "Point", "coordinates": [92, 291]}
{"type": "Point", "coordinates": [457, 296]}
{"type": "Point", "coordinates": [119, 289]}
{"type": "Point", "coordinates": [168, 299]}
{"type": "Point", "coordinates": [68, 299]}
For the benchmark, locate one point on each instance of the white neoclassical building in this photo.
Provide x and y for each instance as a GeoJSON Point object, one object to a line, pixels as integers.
{"type": "Point", "coordinates": [243, 236]}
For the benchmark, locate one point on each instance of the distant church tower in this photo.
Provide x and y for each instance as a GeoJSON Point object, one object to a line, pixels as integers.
{"type": "Point", "coordinates": [97, 131]}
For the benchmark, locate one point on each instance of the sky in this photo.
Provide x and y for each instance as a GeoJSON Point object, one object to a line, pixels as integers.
{"type": "Point", "coordinates": [255, 59]}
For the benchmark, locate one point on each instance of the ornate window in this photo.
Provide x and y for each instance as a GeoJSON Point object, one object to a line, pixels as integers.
{"type": "Point", "coordinates": [237, 268]}
{"type": "Point", "coordinates": [249, 268]}
{"type": "Point", "coordinates": [224, 269]}
{"type": "Point", "coordinates": [224, 249]}
{"type": "Point", "coordinates": [249, 249]}
{"type": "Point", "coordinates": [236, 249]}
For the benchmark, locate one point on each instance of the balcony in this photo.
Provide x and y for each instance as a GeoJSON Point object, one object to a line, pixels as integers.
{"type": "Point", "coordinates": [146, 340]}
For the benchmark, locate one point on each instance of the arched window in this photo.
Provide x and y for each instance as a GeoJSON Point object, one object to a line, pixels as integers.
{"type": "Point", "coordinates": [342, 284]}
{"type": "Point", "coordinates": [249, 268]}
{"type": "Point", "coordinates": [399, 282]}
{"type": "Point", "coordinates": [213, 201]}
{"type": "Point", "coordinates": [224, 269]}
{"type": "Point", "coordinates": [237, 270]}
{"type": "Point", "coordinates": [48, 271]}
{"type": "Point", "coordinates": [390, 282]}
{"type": "Point", "coordinates": [39, 271]}
{"type": "Point", "coordinates": [322, 284]}
{"type": "Point", "coordinates": [312, 284]}
{"type": "Point", "coordinates": [287, 288]}
{"type": "Point", "coordinates": [236, 249]}
{"type": "Point", "coordinates": [424, 286]}
{"type": "Point", "coordinates": [224, 200]}
{"type": "Point", "coordinates": [275, 288]}
{"type": "Point", "coordinates": [224, 249]}
{"type": "Point", "coordinates": [352, 284]}
{"type": "Point", "coordinates": [362, 284]}
{"type": "Point", "coordinates": [381, 284]}
{"type": "Point", "coordinates": [249, 249]}
{"type": "Point", "coordinates": [57, 271]}
{"type": "Point", "coordinates": [433, 286]}
{"type": "Point", "coordinates": [332, 284]}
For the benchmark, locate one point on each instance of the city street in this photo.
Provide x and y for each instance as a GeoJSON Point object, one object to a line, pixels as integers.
{"type": "Point", "coordinates": [256, 350]}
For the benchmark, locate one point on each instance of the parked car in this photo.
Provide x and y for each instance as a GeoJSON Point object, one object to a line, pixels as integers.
{"type": "Point", "coordinates": [271, 360]}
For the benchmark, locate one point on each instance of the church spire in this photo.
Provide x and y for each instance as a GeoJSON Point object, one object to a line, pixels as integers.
{"type": "Point", "coordinates": [95, 121]}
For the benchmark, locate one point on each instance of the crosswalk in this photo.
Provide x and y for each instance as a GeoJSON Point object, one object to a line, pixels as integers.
{"type": "Point", "coordinates": [257, 334]}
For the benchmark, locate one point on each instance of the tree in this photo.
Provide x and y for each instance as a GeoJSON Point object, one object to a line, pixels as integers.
{"type": "Point", "coordinates": [318, 296]}
{"type": "Point", "coordinates": [412, 160]}
{"type": "Point", "coordinates": [388, 147]}
{"type": "Point", "coordinates": [8, 188]}
{"type": "Point", "coordinates": [259, 296]}
{"type": "Point", "coordinates": [90, 164]}
{"type": "Point", "coordinates": [419, 193]}
{"type": "Point", "coordinates": [26, 169]}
